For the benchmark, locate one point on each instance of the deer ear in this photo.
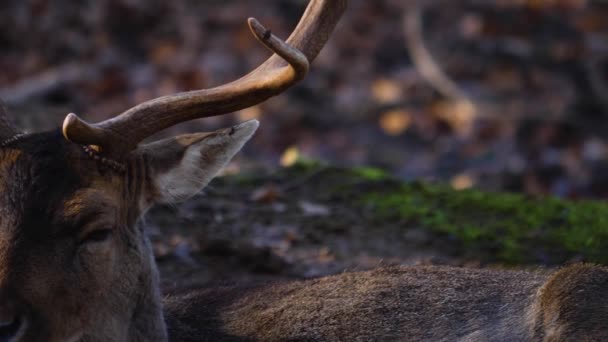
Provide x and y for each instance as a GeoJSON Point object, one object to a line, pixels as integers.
{"type": "Point", "coordinates": [179, 167]}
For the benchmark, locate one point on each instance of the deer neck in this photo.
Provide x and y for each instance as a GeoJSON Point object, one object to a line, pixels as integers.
{"type": "Point", "coordinates": [147, 322]}
{"type": "Point", "coordinates": [144, 313]}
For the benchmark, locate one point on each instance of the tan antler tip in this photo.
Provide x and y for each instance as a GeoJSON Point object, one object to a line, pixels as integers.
{"type": "Point", "coordinates": [69, 122]}
{"type": "Point", "coordinates": [258, 29]}
{"type": "Point", "coordinates": [293, 56]}
{"type": "Point", "coordinates": [79, 131]}
{"type": "Point", "coordinates": [288, 65]}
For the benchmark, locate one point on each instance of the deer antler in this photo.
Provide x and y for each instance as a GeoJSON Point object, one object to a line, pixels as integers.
{"type": "Point", "coordinates": [120, 135]}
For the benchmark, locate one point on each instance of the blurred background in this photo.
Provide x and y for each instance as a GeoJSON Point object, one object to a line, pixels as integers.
{"type": "Point", "coordinates": [515, 96]}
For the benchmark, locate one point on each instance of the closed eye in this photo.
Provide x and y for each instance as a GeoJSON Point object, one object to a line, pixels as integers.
{"type": "Point", "coordinates": [98, 235]}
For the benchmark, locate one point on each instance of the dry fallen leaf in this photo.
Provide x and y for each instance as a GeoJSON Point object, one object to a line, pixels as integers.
{"type": "Point", "coordinates": [266, 194]}
{"type": "Point", "coordinates": [395, 122]}
{"type": "Point", "coordinates": [290, 156]}
{"type": "Point", "coordinates": [386, 91]}
{"type": "Point", "coordinates": [462, 181]}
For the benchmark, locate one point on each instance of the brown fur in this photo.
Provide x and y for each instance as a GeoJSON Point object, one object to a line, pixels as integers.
{"type": "Point", "coordinates": [53, 197]}
{"type": "Point", "coordinates": [403, 304]}
{"type": "Point", "coordinates": [74, 263]}
{"type": "Point", "coordinates": [60, 280]}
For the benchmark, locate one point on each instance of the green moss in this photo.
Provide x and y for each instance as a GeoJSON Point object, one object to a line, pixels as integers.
{"type": "Point", "coordinates": [370, 173]}
{"type": "Point", "coordinates": [306, 165]}
{"type": "Point", "coordinates": [506, 227]}
{"type": "Point", "coordinates": [514, 227]}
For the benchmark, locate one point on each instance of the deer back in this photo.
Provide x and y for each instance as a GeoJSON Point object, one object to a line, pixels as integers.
{"type": "Point", "coordinates": [422, 303]}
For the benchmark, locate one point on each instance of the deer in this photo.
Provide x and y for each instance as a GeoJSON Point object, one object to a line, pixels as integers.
{"type": "Point", "coordinates": [75, 265]}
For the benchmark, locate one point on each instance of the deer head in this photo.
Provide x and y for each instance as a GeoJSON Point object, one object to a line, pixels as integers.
{"type": "Point", "coordinates": [74, 264]}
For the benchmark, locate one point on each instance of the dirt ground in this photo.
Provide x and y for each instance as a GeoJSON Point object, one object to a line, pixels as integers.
{"type": "Point", "coordinates": [291, 224]}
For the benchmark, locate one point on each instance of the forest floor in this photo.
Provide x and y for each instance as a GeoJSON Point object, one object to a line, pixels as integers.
{"type": "Point", "coordinates": [311, 220]}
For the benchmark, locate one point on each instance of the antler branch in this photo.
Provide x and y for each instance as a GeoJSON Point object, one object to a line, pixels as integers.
{"type": "Point", "coordinates": [289, 64]}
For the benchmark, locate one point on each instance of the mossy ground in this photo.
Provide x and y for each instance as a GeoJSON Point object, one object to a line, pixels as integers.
{"type": "Point", "coordinates": [311, 219]}
{"type": "Point", "coordinates": [512, 228]}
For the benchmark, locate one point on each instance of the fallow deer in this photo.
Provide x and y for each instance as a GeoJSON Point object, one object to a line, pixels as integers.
{"type": "Point", "coordinates": [74, 266]}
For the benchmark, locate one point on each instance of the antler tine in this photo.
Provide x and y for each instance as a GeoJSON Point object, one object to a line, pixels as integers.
{"type": "Point", "coordinates": [120, 135]}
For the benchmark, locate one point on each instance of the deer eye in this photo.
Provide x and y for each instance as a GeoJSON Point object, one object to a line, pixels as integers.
{"type": "Point", "coordinates": [98, 235]}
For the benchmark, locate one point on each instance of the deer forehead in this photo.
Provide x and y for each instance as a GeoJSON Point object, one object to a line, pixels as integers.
{"type": "Point", "coordinates": [38, 195]}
